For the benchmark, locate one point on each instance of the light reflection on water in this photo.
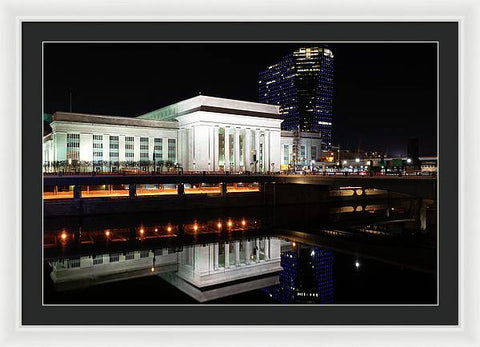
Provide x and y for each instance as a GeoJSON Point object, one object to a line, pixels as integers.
{"type": "Point", "coordinates": [249, 258]}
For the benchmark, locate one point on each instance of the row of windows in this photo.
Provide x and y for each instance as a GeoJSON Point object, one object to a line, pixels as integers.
{"type": "Point", "coordinates": [73, 147]}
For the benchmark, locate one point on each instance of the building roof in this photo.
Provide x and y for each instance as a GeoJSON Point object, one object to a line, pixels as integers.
{"type": "Point", "coordinates": [113, 120]}
{"type": "Point", "coordinates": [214, 104]}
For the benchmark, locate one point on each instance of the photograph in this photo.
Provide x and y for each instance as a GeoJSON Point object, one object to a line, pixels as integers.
{"type": "Point", "coordinates": [262, 173]}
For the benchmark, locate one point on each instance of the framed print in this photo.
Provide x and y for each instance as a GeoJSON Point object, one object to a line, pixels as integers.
{"type": "Point", "coordinates": [240, 174]}
{"type": "Point", "coordinates": [203, 201]}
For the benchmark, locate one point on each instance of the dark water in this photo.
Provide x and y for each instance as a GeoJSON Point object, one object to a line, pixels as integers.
{"type": "Point", "coordinates": [304, 254]}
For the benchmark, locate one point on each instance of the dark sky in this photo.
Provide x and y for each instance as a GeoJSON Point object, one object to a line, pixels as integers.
{"type": "Point", "coordinates": [384, 94]}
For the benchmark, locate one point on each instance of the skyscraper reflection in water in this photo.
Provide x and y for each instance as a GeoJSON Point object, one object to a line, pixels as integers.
{"type": "Point", "coordinates": [307, 276]}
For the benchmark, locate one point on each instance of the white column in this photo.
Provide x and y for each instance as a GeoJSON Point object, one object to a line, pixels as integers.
{"type": "Point", "coordinates": [257, 147]}
{"type": "Point", "coordinates": [227, 150]}
{"type": "Point", "coordinates": [227, 255]}
{"type": "Point", "coordinates": [257, 250]}
{"type": "Point", "coordinates": [236, 248]}
{"type": "Point", "coordinates": [180, 148]}
{"type": "Point", "coordinates": [267, 249]}
{"type": "Point", "coordinates": [164, 149]}
{"type": "Point", "coordinates": [247, 149]}
{"type": "Point", "coordinates": [211, 148]}
{"type": "Point", "coordinates": [106, 147]}
{"type": "Point", "coordinates": [121, 148]}
{"type": "Point", "coordinates": [215, 257]}
{"type": "Point", "coordinates": [236, 149]}
{"type": "Point", "coordinates": [150, 148]}
{"type": "Point", "coordinates": [266, 150]}
{"type": "Point", "coordinates": [215, 149]}
{"type": "Point", "coordinates": [86, 147]}
{"type": "Point", "coordinates": [136, 148]}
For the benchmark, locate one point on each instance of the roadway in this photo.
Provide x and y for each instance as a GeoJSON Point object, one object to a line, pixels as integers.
{"type": "Point", "coordinates": [420, 186]}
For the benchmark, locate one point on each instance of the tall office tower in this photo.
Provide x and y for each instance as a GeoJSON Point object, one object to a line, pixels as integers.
{"type": "Point", "coordinates": [302, 85]}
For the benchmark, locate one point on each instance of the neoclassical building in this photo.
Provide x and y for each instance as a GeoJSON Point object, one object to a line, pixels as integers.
{"type": "Point", "coordinates": [202, 133]}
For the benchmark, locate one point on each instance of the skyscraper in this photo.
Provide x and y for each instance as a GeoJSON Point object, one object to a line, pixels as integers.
{"type": "Point", "coordinates": [301, 83]}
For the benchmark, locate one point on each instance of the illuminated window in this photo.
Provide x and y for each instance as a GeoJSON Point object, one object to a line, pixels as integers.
{"type": "Point", "coordinates": [129, 147]}
{"type": "Point", "coordinates": [172, 150]}
{"type": "Point", "coordinates": [97, 149]}
{"type": "Point", "coordinates": [73, 146]}
{"type": "Point", "coordinates": [158, 149]}
{"type": "Point", "coordinates": [114, 149]}
{"type": "Point", "coordinates": [286, 154]}
{"type": "Point", "coordinates": [144, 148]}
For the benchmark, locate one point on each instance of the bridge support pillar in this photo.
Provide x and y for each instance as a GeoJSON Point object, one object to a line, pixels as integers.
{"type": "Point", "coordinates": [77, 192]}
{"type": "Point", "coordinates": [132, 190]}
{"type": "Point", "coordinates": [181, 189]}
{"type": "Point", "coordinates": [223, 189]}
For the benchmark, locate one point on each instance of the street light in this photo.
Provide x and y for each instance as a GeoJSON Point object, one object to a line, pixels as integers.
{"type": "Point", "coordinates": [409, 160]}
{"type": "Point", "coordinates": [357, 160]}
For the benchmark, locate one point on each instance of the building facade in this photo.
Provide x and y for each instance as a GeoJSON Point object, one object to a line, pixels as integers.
{"type": "Point", "coordinates": [301, 83]}
{"type": "Point", "coordinates": [199, 134]}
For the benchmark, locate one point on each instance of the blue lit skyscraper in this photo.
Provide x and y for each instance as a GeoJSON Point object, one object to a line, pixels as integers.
{"type": "Point", "coordinates": [301, 83]}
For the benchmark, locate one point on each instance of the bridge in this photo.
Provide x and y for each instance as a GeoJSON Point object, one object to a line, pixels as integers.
{"type": "Point", "coordinates": [416, 186]}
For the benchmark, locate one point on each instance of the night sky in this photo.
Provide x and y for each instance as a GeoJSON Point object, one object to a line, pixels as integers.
{"type": "Point", "coordinates": [384, 94]}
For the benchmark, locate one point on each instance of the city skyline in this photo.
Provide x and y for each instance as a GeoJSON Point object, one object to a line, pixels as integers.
{"type": "Point", "coordinates": [371, 81]}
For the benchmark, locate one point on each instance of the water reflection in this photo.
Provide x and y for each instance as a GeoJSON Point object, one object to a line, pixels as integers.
{"type": "Point", "coordinates": [297, 255]}
{"type": "Point", "coordinates": [307, 276]}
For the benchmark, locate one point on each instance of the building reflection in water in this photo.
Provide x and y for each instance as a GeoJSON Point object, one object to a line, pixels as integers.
{"type": "Point", "coordinates": [307, 276]}
{"type": "Point", "coordinates": [213, 257]}
{"type": "Point", "coordinates": [205, 272]}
